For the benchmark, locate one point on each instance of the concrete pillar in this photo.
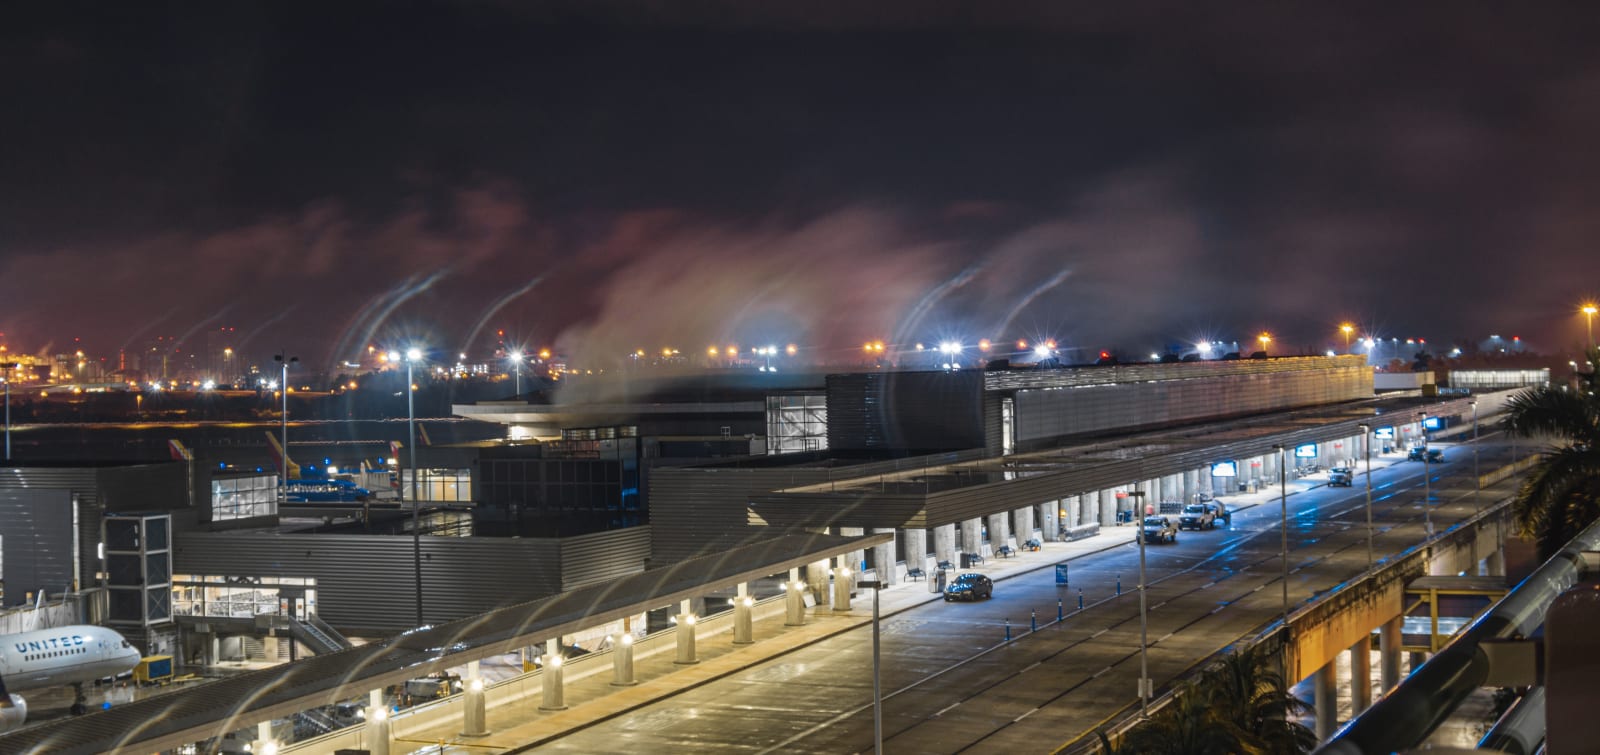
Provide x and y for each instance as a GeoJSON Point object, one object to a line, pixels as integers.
{"type": "Point", "coordinates": [1108, 508]}
{"type": "Point", "coordinates": [743, 622]}
{"type": "Point", "coordinates": [843, 577]}
{"type": "Point", "coordinates": [1148, 488]}
{"type": "Point", "coordinates": [1172, 488]}
{"type": "Point", "coordinates": [1415, 659]}
{"type": "Point", "coordinates": [1389, 654]}
{"type": "Point", "coordinates": [944, 543]}
{"type": "Point", "coordinates": [686, 648]}
{"type": "Point", "coordinates": [622, 660]}
{"type": "Point", "coordinates": [1191, 485]}
{"type": "Point", "coordinates": [794, 600]}
{"type": "Point", "coordinates": [916, 548]}
{"type": "Point", "coordinates": [1207, 485]}
{"type": "Point", "coordinates": [853, 559]}
{"type": "Point", "coordinates": [1327, 700]}
{"type": "Point", "coordinates": [474, 710]}
{"type": "Point", "coordinates": [377, 733]}
{"type": "Point", "coordinates": [817, 578]}
{"type": "Point", "coordinates": [264, 739]}
{"type": "Point", "coordinates": [1048, 517]}
{"type": "Point", "coordinates": [1022, 520]}
{"type": "Point", "coordinates": [1360, 675]}
{"type": "Point", "coordinates": [553, 678]}
{"type": "Point", "coordinates": [999, 530]}
{"type": "Point", "coordinates": [972, 535]}
{"type": "Point", "coordinates": [215, 656]}
{"type": "Point", "coordinates": [883, 557]}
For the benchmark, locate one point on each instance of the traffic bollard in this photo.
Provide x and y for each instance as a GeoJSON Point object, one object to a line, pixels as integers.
{"type": "Point", "coordinates": [1008, 630]}
{"type": "Point", "coordinates": [1060, 616]}
{"type": "Point", "coordinates": [1033, 621]}
{"type": "Point", "coordinates": [1080, 599]}
{"type": "Point", "coordinates": [1119, 584]}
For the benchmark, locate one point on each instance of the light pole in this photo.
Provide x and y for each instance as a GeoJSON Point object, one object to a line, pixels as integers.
{"type": "Point", "coordinates": [1427, 484]}
{"type": "Point", "coordinates": [7, 380]}
{"type": "Point", "coordinates": [283, 386]}
{"type": "Point", "coordinates": [1347, 329]}
{"type": "Point", "coordinates": [516, 360]}
{"type": "Point", "coordinates": [1144, 626]}
{"type": "Point", "coordinates": [412, 356]}
{"type": "Point", "coordinates": [1366, 443]}
{"type": "Point", "coordinates": [1588, 319]}
{"type": "Point", "coordinates": [1265, 339]}
{"type": "Point", "coordinates": [877, 689]}
{"type": "Point", "coordinates": [1283, 505]}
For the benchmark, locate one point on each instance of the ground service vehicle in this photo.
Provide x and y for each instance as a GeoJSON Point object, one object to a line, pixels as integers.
{"type": "Point", "coordinates": [1158, 529]}
{"type": "Point", "coordinates": [1341, 477]}
{"type": "Point", "coordinates": [1197, 516]}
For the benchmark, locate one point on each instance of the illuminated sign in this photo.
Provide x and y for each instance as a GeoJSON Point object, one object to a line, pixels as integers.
{"type": "Point", "coordinates": [1307, 451]}
{"type": "Point", "coordinates": [1385, 433]}
{"type": "Point", "coordinates": [1433, 423]}
{"type": "Point", "coordinates": [1225, 469]}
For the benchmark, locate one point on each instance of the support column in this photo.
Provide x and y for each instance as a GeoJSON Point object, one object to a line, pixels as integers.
{"type": "Point", "coordinates": [377, 733]}
{"type": "Point", "coordinates": [1172, 489]}
{"type": "Point", "coordinates": [853, 559]}
{"type": "Point", "coordinates": [999, 531]}
{"type": "Point", "coordinates": [264, 741]}
{"type": "Point", "coordinates": [1023, 521]}
{"type": "Point", "coordinates": [686, 649]}
{"type": "Point", "coordinates": [1049, 517]}
{"type": "Point", "coordinates": [553, 678]}
{"type": "Point", "coordinates": [743, 623]}
{"type": "Point", "coordinates": [883, 558]}
{"type": "Point", "coordinates": [1389, 654]}
{"type": "Point", "coordinates": [916, 548]}
{"type": "Point", "coordinates": [1108, 508]}
{"type": "Point", "coordinates": [1495, 563]}
{"type": "Point", "coordinates": [817, 578]}
{"type": "Point", "coordinates": [1207, 485]}
{"type": "Point", "coordinates": [622, 660]}
{"type": "Point", "coordinates": [794, 600]}
{"type": "Point", "coordinates": [842, 579]}
{"type": "Point", "coordinates": [1191, 486]}
{"type": "Point", "coordinates": [1327, 700]}
{"type": "Point", "coordinates": [1360, 675]}
{"type": "Point", "coordinates": [971, 536]}
{"type": "Point", "coordinates": [944, 543]}
{"type": "Point", "coordinates": [474, 711]}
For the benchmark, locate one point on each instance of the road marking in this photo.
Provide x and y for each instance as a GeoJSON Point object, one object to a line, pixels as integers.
{"type": "Point", "coordinates": [1158, 605]}
{"type": "Point", "coordinates": [1258, 588]}
{"type": "Point", "coordinates": [1165, 637]}
{"type": "Point", "coordinates": [1100, 673]}
{"type": "Point", "coordinates": [1208, 584]}
{"type": "Point", "coordinates": [1035, 665]}
{"type": "Point", "coordinates": [1097, 634]}
{"type": "Point", "coordinates": [946, 708]}
{"type": "Point", "coordinates": [1025, 715]}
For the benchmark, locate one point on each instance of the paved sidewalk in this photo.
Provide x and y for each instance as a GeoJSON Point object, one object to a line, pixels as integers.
{"type": "Point", "coordinates": [522, 726]}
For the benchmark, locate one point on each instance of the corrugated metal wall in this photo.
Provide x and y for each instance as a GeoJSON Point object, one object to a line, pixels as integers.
{"type": "Point", "coordinates": [36, 541]}
{"type": "Point", "coordinates": [905, 411]}
{"type": "Point", "coordinates": [366, 582]}
{"type": "Point", "coordinates": [698, 511]}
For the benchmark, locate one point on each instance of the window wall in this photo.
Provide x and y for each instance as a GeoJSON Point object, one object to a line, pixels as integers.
{"type": "Point", "coordinates": [448, 485]}
{"type": "Point", "coordinates": [244, 497]}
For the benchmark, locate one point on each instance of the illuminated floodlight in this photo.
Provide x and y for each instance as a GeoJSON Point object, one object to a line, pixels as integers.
{"type": "Point", "coordinates": [949, 347]}
{"type": "Point", "coordinates": [413, 353]}
{"type": "Point", "coordinates": [1331, 353]}
{"type": "Point", "coordinates": [1154, 356]}
{"type": "Point", "coordinates": [1368, 342]}
{"type": "Point", "coordinates": [209, 385]}
{"type": "Point", "coordinates": [919, 347]}
{"type": "Point", "coordinates": [791, 349]}
{"type": "Point", "coordinates": [983, 344]}
{"type": "Point", "coordinates": [1041, 351]}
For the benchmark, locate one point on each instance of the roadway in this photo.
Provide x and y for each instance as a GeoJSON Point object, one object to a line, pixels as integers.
{"type": "Point", "coordinates": [952, 684]}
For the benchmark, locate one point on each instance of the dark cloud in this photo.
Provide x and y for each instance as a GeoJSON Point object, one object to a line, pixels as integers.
{"type": "Point", "coordinates": [688, 173]}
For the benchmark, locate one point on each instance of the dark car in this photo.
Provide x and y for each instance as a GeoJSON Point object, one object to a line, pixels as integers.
{"type": "Point", "coordinates": [1197, 516]}
{"type": "Point", "coordinates": [1341, 477]}
{"type": "Point", "coordinates": [969, 587]}
{"type": "Point", "coordinates": [1430, 455]}
{"type": "Point", "coordinates": [1158, 529]}
{"type": "Point", "coordinates": [1417, 453]}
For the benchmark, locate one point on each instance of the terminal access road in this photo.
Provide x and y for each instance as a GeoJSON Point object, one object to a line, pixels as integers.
{"type": "Point", "coordinates": [952, 683]}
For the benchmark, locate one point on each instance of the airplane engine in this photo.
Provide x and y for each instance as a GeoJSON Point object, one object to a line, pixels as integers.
{"type": "Point", "coordinates": [12, 716]}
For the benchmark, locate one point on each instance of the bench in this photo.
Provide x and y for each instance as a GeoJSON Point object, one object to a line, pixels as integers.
{"type": "Point", "coordinates": [915, 574]}
{"type": "Point", "coordinates": [946, 566]}
{"type": "Point", "coordinates": [1033, 545]}
{"type": "Point", "coordinates": [1007, 551]}
{"type": "Point", "coordinates": [974, 558]}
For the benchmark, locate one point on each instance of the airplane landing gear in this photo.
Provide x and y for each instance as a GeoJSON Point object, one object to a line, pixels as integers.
{"type": "Point", "coordinates": [79, 702]}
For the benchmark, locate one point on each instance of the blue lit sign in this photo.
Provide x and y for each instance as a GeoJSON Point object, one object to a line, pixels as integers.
{"type": "Point", "coordinates": [1225, 469]}
{"type": "Point", "coordinates": [1433, 423]}
{"type": "Point", "coordinates": [1307, 451]}
{"type": "Point", "coordinates": [1384, 433]}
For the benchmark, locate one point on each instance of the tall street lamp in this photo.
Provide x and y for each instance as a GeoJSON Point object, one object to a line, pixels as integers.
{"type": "Point", "coordinates": [1264, 339]}
{"type": "Point", "coordinates": [1144, 628]}
{"type": "Point", "coordinates": [1366, 443]}
{"type": "Point", "coordinates": [1348, 330]}
{"type": "Point", "coordinates": [877, 690]}
{"type": "Point", "coordinates": [516, 366]}
{"type": "Point", "coordinates": [412, 356]}
{"type": "Point", "coordinates": [1588, 319]}
{"type": "Point", "coordinates": [283, 386]}
{"type": "Point", "coordinates": [1427, 483]}
{"type": "Point", "coordinates": [1283, 505]}
{"type": "Point", "coordinates": [10, 370]}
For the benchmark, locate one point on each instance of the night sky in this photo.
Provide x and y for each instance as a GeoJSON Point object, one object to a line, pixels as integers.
{"type": "Point", "coordinates": [620, 175]}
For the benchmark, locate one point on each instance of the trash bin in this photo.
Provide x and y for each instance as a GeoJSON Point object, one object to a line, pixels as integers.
{"type": "Point", "coordinates": [936, 585]}
{"type": "Point", "coordinates": [966, 560]}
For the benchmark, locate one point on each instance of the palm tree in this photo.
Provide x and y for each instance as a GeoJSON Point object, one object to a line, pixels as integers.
{"type": "Point", "coordinates": [1186, 727]}
{"type": "Point", "coordinates": [1561, 494]}
{"type": "Point", "coordinates": [1252, 702]}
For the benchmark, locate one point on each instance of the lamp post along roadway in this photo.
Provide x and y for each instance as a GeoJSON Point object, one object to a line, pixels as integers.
{"type": "Point", "coordinates": [412, 355]}
{"type": "Point", "coordinates": [1366, 444]}
{"type": "Point", "coordinates": [283, 387]}
{"type": "Point", "coordinates": [1588, 320]}
{"type": "Point", "coordinates": [1427, 484]}
{"type": "Point", "coordinates": [1144, 625]}
{"type": "Point", "coordinates": [877, 689]}
{"type": "Point", "coordinates": [1283, 504]}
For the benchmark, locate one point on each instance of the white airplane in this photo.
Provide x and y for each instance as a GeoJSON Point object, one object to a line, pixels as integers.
{"type": "Point", "coordinates": [54, 657]}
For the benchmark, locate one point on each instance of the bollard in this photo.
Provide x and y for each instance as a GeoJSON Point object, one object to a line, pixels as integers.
{"type": "Point", "coordinates": [475, 711]}
{"type": "Point", "coordinates": [742, 624]}
{"type": "Point", "coordinates": [555, 694]}
{"type": "Point", "coordinates": [794, 604]}
{"type": "Point", "coordinates": [685, 632]}
{"type": "Point", "coordinates": [1080, 599]}
{"type": "Point", "coordinates": [1008, 630]}
{"type": "Point", "coordinates": [1033, 620]}
{"type": "Point", "coordinates": [378, 730]}
{"type": "Point", "coordinates": [1119, 584]}
{"type": "Point", "coordinates": [1060, 616]}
